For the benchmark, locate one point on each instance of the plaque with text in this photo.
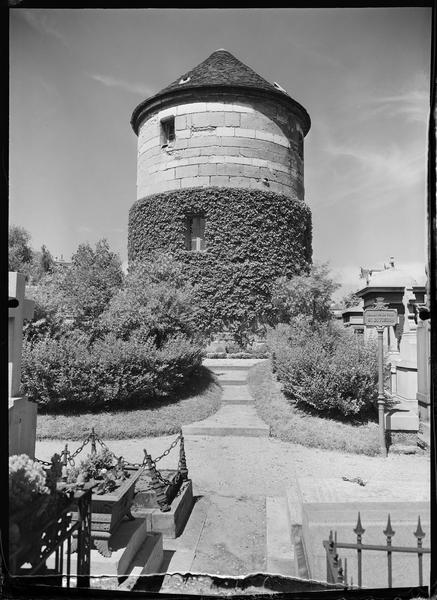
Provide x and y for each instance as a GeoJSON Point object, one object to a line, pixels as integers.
{"type": "Point", "coordinates": [374, 317]}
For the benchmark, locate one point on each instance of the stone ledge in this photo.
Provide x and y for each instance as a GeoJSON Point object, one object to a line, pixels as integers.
{"type": "Point", "coordinates": [170, 523]}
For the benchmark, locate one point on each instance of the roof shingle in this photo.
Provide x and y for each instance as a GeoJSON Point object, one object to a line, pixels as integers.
{"type": "Point", "coordinates": [221, 68]}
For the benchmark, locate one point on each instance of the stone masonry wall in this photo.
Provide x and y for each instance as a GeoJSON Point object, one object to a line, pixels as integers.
{"type": "Point", "coordinates": [226, 142]}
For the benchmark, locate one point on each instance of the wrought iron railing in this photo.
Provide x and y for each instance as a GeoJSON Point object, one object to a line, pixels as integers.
{"type": "Point", "coordinates": [48, 550]}
{"type": "Point", "coordinates": [337, 568]}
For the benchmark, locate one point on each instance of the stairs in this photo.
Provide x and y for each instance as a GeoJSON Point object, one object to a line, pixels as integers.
{"type": "Point", "coordinates": [237, 415]}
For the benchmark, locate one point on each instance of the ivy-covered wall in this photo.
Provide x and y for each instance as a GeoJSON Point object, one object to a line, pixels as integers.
{"type": "Point", "coordinates": [252, 237]}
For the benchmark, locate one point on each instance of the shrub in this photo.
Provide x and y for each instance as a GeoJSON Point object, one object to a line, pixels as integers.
{"type": "Point", "coordinates": [27, 481]}
{"type": "Point", "coordinates": [325, 369]}
{"type": "Point", "coordinates": [252, 238]}
{"type": "Point", "coordinates": [71, 373]}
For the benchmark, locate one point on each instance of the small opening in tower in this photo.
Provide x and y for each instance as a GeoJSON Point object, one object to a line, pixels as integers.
{"type": "Point", "coordinates": [195, 233]}
{"type": "Point", "coordinates": [167, 132]}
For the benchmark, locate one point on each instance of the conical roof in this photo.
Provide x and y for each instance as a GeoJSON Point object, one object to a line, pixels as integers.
{"type": "Point", "coordinates": [221, 68]}
{"type": "Point", "coordinates": [223, 71]}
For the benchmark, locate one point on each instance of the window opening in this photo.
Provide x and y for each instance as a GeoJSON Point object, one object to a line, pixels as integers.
{"type": "Point", "coordinates": [195, 233]}
{"type": "Point", "coordinates": [167, 132]}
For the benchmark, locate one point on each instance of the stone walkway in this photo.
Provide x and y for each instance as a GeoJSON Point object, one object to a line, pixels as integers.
{"type": "Point", "coordinates": [240, 523]}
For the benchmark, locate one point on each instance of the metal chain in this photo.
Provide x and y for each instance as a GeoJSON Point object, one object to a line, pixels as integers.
{"type": "Point", "coordinates": [167, 452]}
{"type": "Point", "coordinates": [43, 462]}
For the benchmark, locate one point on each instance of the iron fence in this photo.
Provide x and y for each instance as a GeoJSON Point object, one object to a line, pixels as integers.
{"type": "Point", "coordinates": [336, 568]}
{"type": "Point", "coordinates": [49, 550]}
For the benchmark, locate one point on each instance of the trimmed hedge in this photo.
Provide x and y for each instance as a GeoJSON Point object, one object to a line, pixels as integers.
{"type": "Point", "coordinates": [326, 370]}
{"type": "Point", "coordinates": [71, 374]}
{"type": "Point", "coordinates": [252, 238]}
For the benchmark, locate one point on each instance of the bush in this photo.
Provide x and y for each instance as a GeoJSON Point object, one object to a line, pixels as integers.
{"type": "Point", "coordinates": [27, 481]}
{"type": "Point", "coordinates": [326, 370]}
{"type": "Point", "coordinates": [72, 373]}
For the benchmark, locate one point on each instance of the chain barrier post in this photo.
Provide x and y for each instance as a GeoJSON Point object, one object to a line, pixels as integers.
{"type": "Point", "coordinates": [93, 441]}
{"type": "Point", "coordinates": [183, 460]}
{"type": "Point", "coordinates": [157, 485]}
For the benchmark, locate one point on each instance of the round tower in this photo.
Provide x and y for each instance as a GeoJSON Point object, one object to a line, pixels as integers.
{"type": "Point", "coordinates": [220, 185]}
{"type": "Point", "coordinates": [221, 124]}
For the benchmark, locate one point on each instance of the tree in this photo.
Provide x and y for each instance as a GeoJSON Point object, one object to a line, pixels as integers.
{"type": "Point", "coordinates": [155, 303]}
{"type": "Point", "coordinates": [351, 299]}
{"type": "Point", "coordinates": [91, 281]}
{"type": "Point", "coordinates": [308, 295]}
{"type": "Point", "coordinates": [20, 251]}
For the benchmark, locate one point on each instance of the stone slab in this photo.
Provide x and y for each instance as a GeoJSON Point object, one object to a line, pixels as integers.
{"type": "Point", "coordinates": [336, 490]}
{"type": "Point", "coordinates": [172, 522]}
{"type": "Point", "coordinates": [333, 504]}
{"type": "Point", "coordinates": [133, 545]}
{"type": "Point", "coordinates": [319, 520]}
{"type": "Point", "coordinates": [401, 420]}
{"type": "Point", "coordinates": [234, 363]}
{"type": "Point", "coordinates": [241, 420]}
{"type": "Point", "coordinates": [233, 377]}
{"type": "Point", "coordinates": [280, 556]}
{"type": "Point", "coordinates": [236, 394]}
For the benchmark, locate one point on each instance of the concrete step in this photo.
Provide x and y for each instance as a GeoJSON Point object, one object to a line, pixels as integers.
{"type": "Point", "coordinates": [236, 394]}
{"type": "Point", "coordinates": [280, 554]}
{"type": "Point", "coordinates": [231, 363]}
{"type": "Point", "coordinates": [232, 377]}
{"type": "Point", "coordinates": [241, 420]}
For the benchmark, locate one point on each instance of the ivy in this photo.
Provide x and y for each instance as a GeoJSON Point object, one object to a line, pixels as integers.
{"type": "Point", "coordinates": [252, 238]}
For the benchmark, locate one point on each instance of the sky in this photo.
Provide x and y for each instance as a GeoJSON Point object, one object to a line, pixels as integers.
{"type": "Point", "coordinates": [362, 74]}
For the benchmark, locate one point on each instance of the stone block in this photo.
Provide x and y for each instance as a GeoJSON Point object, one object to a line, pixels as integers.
{"type": "Point", "coordinates": [171, 523]}
{"type": "Point", "coordinates": [225, 131]}
{"type": "Point", "coordinates": [194, 182]}
{"type": "Point", "coordinates": [401, 420]}
{"type": "Point", "coordinates": [232, 119]}
{"type": "Point", "coordinates": [219, 180]}
{"type": "Point", "coordinates": [180, 122]}
{"type": "Point", "coordinates": [208, 169]}
{"type": "Point", "coordinates": [208, 118]}
{"type": "Point", "coordinates": [245, 132]}
{"type": "Point", "coordinates": [194, 107]}
{"type": "Point", "coordinates": [230, 169]}
{"type": "Point", "coordinates": [219, 106]}
{"type": "Point", "coordinates": [239, 181]}
{"type": "Point", "coordinates": [133, 545]}
{"type": "Point", "coordinates": [204, 140]}
{"type": "Point", "coordinates": [187, 171]}
{"type": "Point", "coordinates": [183, 134]}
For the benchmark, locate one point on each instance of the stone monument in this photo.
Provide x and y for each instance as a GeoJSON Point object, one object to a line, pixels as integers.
{"type": "Point", "coordinates": [22, 411]}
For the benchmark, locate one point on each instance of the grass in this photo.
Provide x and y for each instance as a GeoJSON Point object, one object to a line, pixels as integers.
{"type": "Point", "coordinates": [292, 425]}
{"type": "Point", "coordinates": [161, 417]}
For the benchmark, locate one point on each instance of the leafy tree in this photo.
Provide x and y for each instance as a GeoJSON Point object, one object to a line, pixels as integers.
{"type": "Point", "coordinates": [308, 295]}
{"type": "Point", "coordinates": [156, 303]}
{"type": "Point", "coordinates": [20, 251]}
{"type": "Point", "coordinates": [351, 299]}
{"type": "Point", "coordinates": [88, 285]}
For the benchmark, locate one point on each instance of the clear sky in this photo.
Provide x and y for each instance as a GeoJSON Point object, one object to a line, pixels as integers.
{"type": "Point", "coordinates": [362, 74]}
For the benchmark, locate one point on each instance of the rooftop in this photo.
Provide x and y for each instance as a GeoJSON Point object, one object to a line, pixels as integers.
{"type": "Point", "coordinates": [224, 71]}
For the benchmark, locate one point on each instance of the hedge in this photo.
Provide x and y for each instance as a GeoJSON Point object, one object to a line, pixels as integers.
{"type": "Point", "coordinates": [327, 370]}
{"type": "Point", "coordinates": [252, 237]}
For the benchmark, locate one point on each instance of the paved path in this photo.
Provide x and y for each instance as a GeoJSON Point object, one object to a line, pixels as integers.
{"type": "Point", "coordinates": [241, 483]}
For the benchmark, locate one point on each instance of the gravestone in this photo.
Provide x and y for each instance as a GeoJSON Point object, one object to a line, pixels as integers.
{"type": "Point", "coordinates": [22, 412]}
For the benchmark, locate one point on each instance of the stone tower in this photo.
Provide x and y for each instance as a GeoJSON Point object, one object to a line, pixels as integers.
{"type": "Point", "coordinates": [220, 184]}
{"type": "Point", "coordinates": [223, 125]}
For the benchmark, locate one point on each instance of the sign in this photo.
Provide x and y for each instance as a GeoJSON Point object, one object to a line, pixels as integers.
{"type": "Point", "coordinates": [374, 317]}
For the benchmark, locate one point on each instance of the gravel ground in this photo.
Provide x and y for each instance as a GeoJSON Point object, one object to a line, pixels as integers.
{"type": "Point", "coordinates": [232, 466]}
